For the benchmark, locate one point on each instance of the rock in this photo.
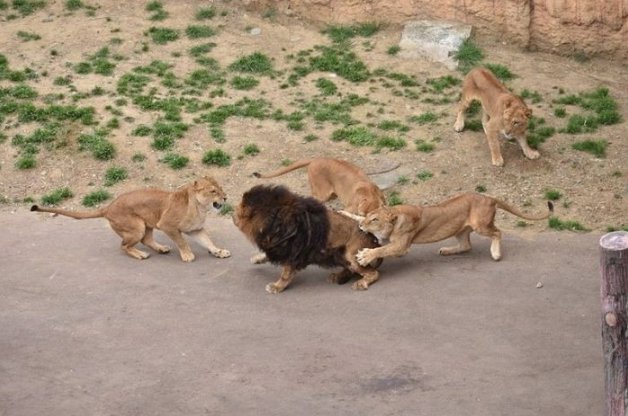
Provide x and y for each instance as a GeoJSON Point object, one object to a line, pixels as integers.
{"type": "Point", "coordinates": [256, 31]}
{"type": "Point", "coordinates": [435, 40]}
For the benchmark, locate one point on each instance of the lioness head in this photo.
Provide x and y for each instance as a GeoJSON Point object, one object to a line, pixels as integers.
{"type": "Point", "coordinates": [515, 118]}
{"type": "Point", "coordinates": [208, 192]}
{"type": "Point", "coordinates": [380, 223]}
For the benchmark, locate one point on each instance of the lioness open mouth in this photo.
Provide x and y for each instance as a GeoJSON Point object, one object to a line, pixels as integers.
{"type": "Point", "coordinates": [217, 205]}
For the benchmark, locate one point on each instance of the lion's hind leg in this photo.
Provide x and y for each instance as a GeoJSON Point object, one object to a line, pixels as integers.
{"type": "Point", "coordinates": [464, 243]}
{"type": "Point", "coordinates": [340, 277]}
{"type": "Point", "coordinates": [495, 235]}
{"type": "Point", "coordinates": [149, 241]}
{"type": "Point", "coordinates": [132, 231]}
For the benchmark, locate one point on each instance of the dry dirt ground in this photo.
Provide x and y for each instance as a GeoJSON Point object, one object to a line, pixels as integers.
{"type": "Point", "coordinates": [593, 189]}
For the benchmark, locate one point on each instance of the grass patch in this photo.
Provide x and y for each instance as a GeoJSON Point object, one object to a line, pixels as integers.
{"type": "Point", "coordinates": [256, 63]}
{"type": "Point", "coordinates": [427, 117]}
{"type": "Point", "coordinates": [394, 199]}
{"type": "Point", "coordinates": [326, 86]}
{"type": "Point", "coordinates": [501, 71]}
{"type": "Point", "coordinates": [533, 96]}
{"type": "Point", "coordinates": [468, 55]}
{"type": "Point", "coordinates": [114, 175]}
{"type": "Point", "coordinates": [95, 198]}
{"type": "Point", "coordinates": [205, 13]}
{"type": "Point", "coordinates": [424, 175]}
{"type": "Point", "coordinates": [199, 31]}
{"type": "Point", "coordinates": [217, 157]}
{"type": "Point", "coordinates": [560, 112]}
{"type": "Point", "coordinates": [595, 147]}
{"type": "Point", "coordinates": [226, 209]}
{"type": "Point", "coordinates": [356, 136]}
{"type": "Point", "coordinates": [251, 150]}
{"type": "Point", "coordinates": [553, 195]}
{"type": "Point", "coordinates": [175, 161]}
{"type": "Point", "coordinates": [98, 145]}
{"type": "Point", "coordinates": [559, 225]}
{"type": "Point", "coordinates": [27, 36]}
{"type": "Point", "coordinates": [138, 157]}
{"type": "Point", "coordinates": [392, 143]}
{"type": "Point", "coordinates": [165, 134]}
{"type": "Point", "coordinates": [393, 50]}
{"type": "Point", "coordinates": [56, 196]}
{"type": "Point", "coordinates": [480, 188]}
{"type": "Point", "coordinates": [342, 33]}
{"type": "Point", "coordinates": [423, 146]}
{"type": "Point", "coordinates": [26, 161]}
{"type": "Point", "coordinates": [244, 83]}
{"type": "Point", "coordinates": [442, 83]}
{"type": "Point", "coordinates": [163, 35]}
{"type": "Point", "coordinates": [310, 138]}
{"type": "Point", "coordinates": [27, 7]}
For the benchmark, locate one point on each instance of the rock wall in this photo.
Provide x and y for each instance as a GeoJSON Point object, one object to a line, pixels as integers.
{"type": "Point", "coordinates": [589, 27]}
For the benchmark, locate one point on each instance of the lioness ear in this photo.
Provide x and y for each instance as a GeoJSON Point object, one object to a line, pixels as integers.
{"type": "Point", "coordinates": [528, 112]}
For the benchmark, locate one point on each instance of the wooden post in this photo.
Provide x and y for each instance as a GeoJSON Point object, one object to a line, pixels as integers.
{"type": "Point", "coordinates": [614, 290]}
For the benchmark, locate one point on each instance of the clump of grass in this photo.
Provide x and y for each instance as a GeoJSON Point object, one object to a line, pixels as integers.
{"type": "Point", "coordinates": [226, 209]}
{"type": "Point", "coordinates": [205, 13]}
{"type": "Point", "coordinates": [392, 143]}
{"type": "Point", "coordinates": [338, 59]}
{"type": "Point", "coordinates": [101, 148]}
{"type": "Point", "coordinates": [27, 36]}
{"type": "Point", "coordinates": [27, 7]}
{"type": "Point", "coordinates": [199, 31]}
{"type": "Point", "coordinates": [388, 125]}
{"type": "Point", "coordinates": [256, 63]}
{"type": "Point", "coordinates": [73, 5]}
{"type": "Point", "coordinates": [560, 112]}
{"type": "Point", "coordinates": [217, 157]}
{"type": "Point", "coordinates": [138, 157]}
{"type": "Point", "coordinates": [501, 71]}
{"type": "Point", "coordinates": [473, 125]}
{"type": "Point", "coordinates": [342, 33]}
{"type": "Point", "coordinates": [251, 149]}
{"type": "Point", "coordinates": [538, 132]}
{"type": "Point", "coordinates": [95, 198]}
{"type": "Point", "coordinates": [468, 55]}
{"type": "Point", "coordinates": [175, 161]}
{"type": "Point", "coordinates": [427, 117]}
{"type": "Point", "coordinates": [56, 196]}
{"type": "Point", "coordinates": [423, 146]}
{"type": "Point", "coordinates": [595, 147]}
{"type": "Point", "coordinates": [165, 134]}
{"type": "Point", "coordinates": [326, 86]}
{"type": "Point", "coordinates": [579, 123]}
{"type": "Point", "coordinates": [157, 8]}
{"type": "Point", "coordinates": [142, 131]}
{"type": "Point", "coordinates": [402, 180]}
{"type": "Point", "coordinates": [394, 199]}
{"type": "Point", "coordinates": [356, 136]}
{"type": "Point", "coordinates": [244, 83]}
{"type": "Point", "coordinates": [559, 225]}
{"type": "Point", "coordinates": [310, 138]}
{"type": "Point", "coordinates": [553, 195]}
{"type": "Point", "coordinates": [393, 50]}
{"type": "Point", "coordinates": [115, 174]}
{"type": "Point", "coordinates": [26, 161]}
{"type": "Point", "coordinates": [163, 35]}
{"type": "Point", "coordinates": [480, 188]}
{"type": "Point", "coordinates": [534, 96]}
{"type": "Point", "coordinates": [424, 175]}
{"type": "Point", "coordinates": [441, 83]}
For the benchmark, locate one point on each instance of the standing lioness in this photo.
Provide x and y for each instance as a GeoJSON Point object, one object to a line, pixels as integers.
{"type": "Point", "coordinates": [135, 214]}
{"type": "Point", "coordinates": [400, 226]}
{"type": "Point", "coordinates": [503, 112]}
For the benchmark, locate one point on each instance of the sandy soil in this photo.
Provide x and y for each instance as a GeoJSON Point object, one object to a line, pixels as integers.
{"type": "Point", "coordinates": [594, 190]}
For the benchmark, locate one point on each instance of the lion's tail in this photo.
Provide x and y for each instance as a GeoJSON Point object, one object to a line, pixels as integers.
{"type": "Point", "coordinates": [515, 211]}
{"type": "Point", "coordinates": [296, 165]}
{"type": "Point", "coordinates": [79, 215]}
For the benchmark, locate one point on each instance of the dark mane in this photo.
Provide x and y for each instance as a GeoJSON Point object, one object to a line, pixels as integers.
{"type": "Point", "coordinates": [295, 230]}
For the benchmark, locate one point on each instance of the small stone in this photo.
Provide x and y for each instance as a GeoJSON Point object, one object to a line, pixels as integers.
{"type": "Point", "coordinates": [539, 285]}
{"type": "Point", "coordinates": [256, 31]}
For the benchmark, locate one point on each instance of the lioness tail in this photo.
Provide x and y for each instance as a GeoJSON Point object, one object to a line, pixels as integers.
{"type": "Point", "coordinates": [79, 215]}
{"type": "Point", "coordinates": [515, 211]}
{"type": "Point", "coordinates": [296, 165]}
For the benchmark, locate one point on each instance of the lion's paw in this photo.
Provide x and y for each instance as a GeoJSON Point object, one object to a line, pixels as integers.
{"type": "Point", "coordinates": [259, 258]}
{"type": "Point", "coordinates": [363, 257]}
{"type": "Point", "coordinates": [499, 162]}
{"type": "Point", "coordinates": [187, 257]}
{"type": "Point", "coordinates": [221, 253]}
{"type": "Point", "coordinates": [459, 126]}
{"type": "Point", "coordinates": [532, 154]}
{"type": "Point", "coordinates": [272, 288]}
{"type": "Point", "coordinates": [360, 285]}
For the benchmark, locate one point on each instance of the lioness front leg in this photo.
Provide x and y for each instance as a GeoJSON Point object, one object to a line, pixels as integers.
{"type": "Point", "coordinates": [286, 277]}
{"type": "Point", "coordinates": [184, 248]}
{"type": "Point", "coordinates": [202, 236]}
{"type": "Point", "coordinates": [492, 136]}
{"type": "Point", "coordinates": [527, 150]}
{"type": "Point", "coordinates": [462, 107]}
{"type": "Point", "coordinates": [367, 255]}
{"type": "Point", "coordinates": [464, 244]}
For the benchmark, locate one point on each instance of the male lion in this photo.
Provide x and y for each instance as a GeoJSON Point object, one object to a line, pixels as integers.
{"type": "Point", "coordinates": [403, 225]}
{"type": "Point", "coordinates": [333, 178]}
{"type": "Point", "coordinates": [295, 231]}
{"type": "Point", "coordinates": [503, 112]}
{"type": "Point", "coordinates": [134, 215]}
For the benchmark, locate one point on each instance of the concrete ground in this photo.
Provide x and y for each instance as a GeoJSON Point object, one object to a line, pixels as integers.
{"type": "Point", "coordinates": [86, 330]}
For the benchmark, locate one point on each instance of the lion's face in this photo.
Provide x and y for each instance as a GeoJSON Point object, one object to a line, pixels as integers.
{"type": "Point", "coordinates": [515, 119]}
{"type": "Point", "coordinates": [208, 192]}
{"type": "Point", "coordinates": [380, 223]}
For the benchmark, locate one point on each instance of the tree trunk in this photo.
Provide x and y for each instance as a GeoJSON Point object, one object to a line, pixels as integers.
{"type": "Point", "coordinates": [614, 289]}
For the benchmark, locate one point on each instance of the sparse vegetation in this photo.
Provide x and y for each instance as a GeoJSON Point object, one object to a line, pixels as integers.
{"type": "Point", "coordinates": [423, 146]}
{"type": "Point", "coordinates": [95, 198]}
{"type": "Point", "coordinates": [501, 71]}
{"type": "Point", "coordinates": [424, 118]}
{"type": "Point", "coordinates": [251, 149]}
{"type": "Point", "coordinates": [114, 175]}
{"type": "Point", "coordinates": [217, 157]}
{"type": "Point", "coordinates": [553, 195]}
{"type": "Point", "coordinates": [175, 161]}
{"type": "Point", "coordinates": [596, 147]}
{"type": "Point", "coordinates": [468, 56]}
{"type": "Point", "coordinates": [162, 35]}
{"type": "Point", "coordinates": [341, 33]}
{"type": "Point", "coordinates": [424, 175]}
{"type": "Point", "coordinates": [560, 225]}
{"type": "Point", "coordinates": [393, 50]}
{"type": "Point", "coordinates": [256, 63]}
{"type": "Point", "coordinates": [244, 83]}
{"type": "Point", "coordinates": [394, 199]}
{"type": "Point", "coordinates": [56, 196]}
{"type": "Point", "coordinates": [206, 13]}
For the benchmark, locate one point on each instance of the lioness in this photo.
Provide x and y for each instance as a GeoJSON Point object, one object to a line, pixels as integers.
{"type": "Point", "coordinates": [403, 225]}
{"type": "Point", "coordinates": [333, 178]}
{"type": "Point", "coordinates": [135, 214]}
{"type": "Point", "coordinates": [294, 232]}
{"type": "Point", "coordinates": [503, 112]}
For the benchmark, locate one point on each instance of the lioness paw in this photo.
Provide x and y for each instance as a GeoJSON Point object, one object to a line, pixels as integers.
{"type": "Point", "coordinates": [532, 154]}
{"type": "Point", "coordinates": [221, 253]}
{"type": "Point", "coordinates": [360, 285]}
{"type": "Point", "coordinates": [187, 257]}
{"type": "Point", "coordinates": [363, 257]}
{"type": "Point", "coordinates": [259, 258]}
{"type": "Point", "coordinates": [459, 126]}
{"type": "Point", "coordinates": [272, 288]}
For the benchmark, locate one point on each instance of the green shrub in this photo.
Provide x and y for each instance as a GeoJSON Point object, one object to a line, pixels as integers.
{"type": "Point", "coordinates": [559, 225]}
{"type": "Point", "coordinates": [595, 147]}
{"type": "Point", "coordinates": [26, 161]}
{"type": "Point", "coordinates": [199, 31]}
{"type": "Point", "coordinates": [394, 199]}
{"type": "Point", "coordinates": [56, 196]}
{"type": "Point", "coordinates": [216, 157]}
{"type": "Point", "coordinates": [256, 63]}
{"type": "Point", "coordinates": [114, 175]}
{"type": "Point", "coordinates": [468, 55]}
{"type": "Point", "coordinates": [553, 195]}
{"type": "Point", "coordinates": [326, 86]}
{"type": "Point", "coordinates": [357, 136]}
{"type": "Point", "coordinates": [205, 13]}
{"type": "Point", "coordinates": [423, 146]}
{"type": "Point", "coordinates": [162, 35]}
{"type": "Point", "coordinates": [175, 161]}
{"type": "Point", "coordinates": [424, 118]}
{"type": "Point", "coordinates": [392, 143]}
{"type": "Point", "coordinates": [95, 198]}
{"type": "Point", "coordinates": [424, 175]}
{"type": "Point", "coordinates": [251, 149]}
{"type": "Point", "coordinates": [393, 50]}
{"type": "Point", "coordinates": [244, 83]}
{"type": "Point", "coordinates": [501, 71]}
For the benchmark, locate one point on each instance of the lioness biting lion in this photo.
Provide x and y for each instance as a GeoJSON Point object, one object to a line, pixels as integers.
{"type": "Point", "coordinates": [503, 112]}
{"type": "Point", "coordinates": [334, 178]}
{"type": "Point", "coordinates": [135, 214]}
{"type": "Point", "coordinates": [295, 231]}
{"type": "Point", "coordinates": [398, 227]}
